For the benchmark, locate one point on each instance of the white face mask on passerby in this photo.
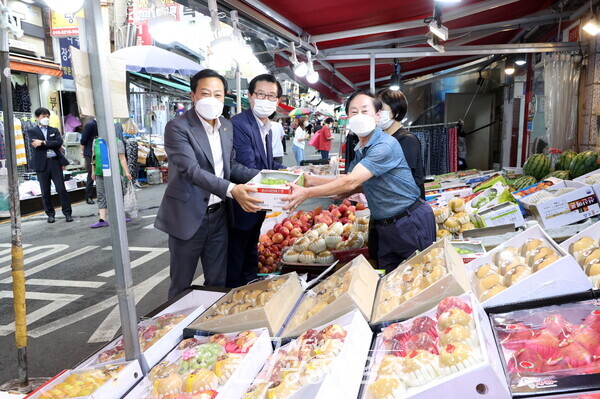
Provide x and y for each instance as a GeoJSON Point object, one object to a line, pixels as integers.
{"type": "Point", "coordinates": [264, 108]}
{"type": "Point", "coordinates": [44, 121]}
{"type": "Point", "coordinates": [209, 108]}
{"type": "Point", "coordinates": [384, 120]}
{"type": "Point", "coordinates": [362, 125]}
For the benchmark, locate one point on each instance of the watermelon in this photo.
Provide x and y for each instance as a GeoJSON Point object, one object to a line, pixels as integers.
{"type": "Point", "coordinates": [583, 163]}
{"type": "Point", "coordinates": [524, 181]}
{"type": "Point", "coordinates": [537, 165]}
{"type": "Point", "coordinates": [559, 174]}
{"type": "Point", "coordinates": [564, 160]}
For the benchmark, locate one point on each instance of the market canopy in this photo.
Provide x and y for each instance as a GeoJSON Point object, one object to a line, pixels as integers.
{"type": "Point", "coordinates": [344, 35]}
{"type": "Point", "coordinates": [151, 59]}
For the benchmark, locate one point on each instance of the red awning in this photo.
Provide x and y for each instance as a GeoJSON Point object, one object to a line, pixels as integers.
{"type": "Point", "coordinates": [284, 108]}
{"type": "Point", "coordinates": [34, 66]}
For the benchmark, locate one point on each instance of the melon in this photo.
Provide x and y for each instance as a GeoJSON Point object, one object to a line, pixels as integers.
{"type": "Point", "coordinates": [583, 163]}
{"type": "Point", "coordinates": [524, 181]}
{"type": "Point", "coordinates": [564, 160]}
{"type": "Point", "coordinates": [559, 174]}
{"type": "Point", "coordinates": [537, 165]}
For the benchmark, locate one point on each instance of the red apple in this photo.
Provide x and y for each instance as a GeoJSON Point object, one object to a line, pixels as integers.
{"type": "Point", "coordinates": [303, 219]}
{"type": "Point", "coordinates": [268, 244]}
{"type": "Point", "coordinates": [344, 220]}
{"type": "Point", "coordinates": [296, 232]}
{"type": "Point", "coordinates": [360, 206]}
{"type": "Point", "coordinates": [270, 260]}
{"type": "Point", "coordinates": [310, 214]}
{"type": "Point", "coordinates": [261, 258]}
{"type": "Point", "coordinates": [263, 270]}
{"type": "Point", "coordinates": [292, 241]}
{"type": "Point", "coordinates": [271, 233]}
{"type": "Point", "coordinates": [346, 202]}
{"type": "Point", "coordinates": [276, 247]}
{"type": "Point", "coordinates": [265, 238]}
{"type": "Point", "coordinates": [352, 208]}
{"type": "Point", "coordinates": [304, 228]}
{"type": "Point", "coordinates": [261, 247]}
{"type": "Point", "coordinates": [276, 228]}
{"type": "Point", "coordinates": [336, 213]}
{"type": "Point", "coordinates": [331, 206]}
{"type": "Point", "coordinates": [343, 208]}
{"type": "Point", "coordinates": [285, 220]}
{"type": "Point", "coordinates": [284, 231]}
{"type": "Point", "coordinates": [277, 238]}
{"type": "Point", "coordinates": [288, 225]}
{"type": "Point", "coordinates": [285, 243]}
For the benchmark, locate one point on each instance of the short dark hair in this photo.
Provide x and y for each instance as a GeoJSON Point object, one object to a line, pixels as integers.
{"type": "Point", "coordinates": [272, 116]}
{"type": "Point", "coordinates": [206, 73]}
{"type": "Point", "coordinates": [265, 77]}
{"type": "Point", "coordinates": [42, 111]}
{"type": "Point", "coordinates": [328, 120]}
{"type": "Point", "coordinates": [397, 102]}
{"type": "Point", "coordinates": [376, 102]}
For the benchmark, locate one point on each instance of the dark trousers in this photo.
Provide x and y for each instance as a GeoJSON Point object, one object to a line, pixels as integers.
{"type": "Point", "coordinates": [53, 173]}
{"type": "Point", "coordinates": [242, 258]}
{"type": "Point", "coordinates": [284, 146]}
{"type": "Point", "coordinates": [208, 244]}
{"type": "Point", "coordinates": [89, 183]}
{"type": "Point", "coordinates": [278, 159]}
{"type": "Point", "coordinates": [399, 240]}
{"type": "Point", "coordinates": [324, 154]}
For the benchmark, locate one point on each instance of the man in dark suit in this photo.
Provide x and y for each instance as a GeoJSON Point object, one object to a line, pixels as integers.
{"type": "Point", "coordinates": [90, 132]}
{"type": "Point", "coordinates": [252, 140]}
{"type": "Point", "coordinates": [48, 160]}
{"type": "Point", "coordinates": [196, 208]}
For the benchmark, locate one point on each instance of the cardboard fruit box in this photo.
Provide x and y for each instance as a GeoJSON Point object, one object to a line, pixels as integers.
{"type": "Point", "coordinates": [571, 207]}
{"type": "Point", "coordinates": [592, 179]}
{"type": "Point", "coordinates": [499, 215]}
{"type": "Point", "coordinates": [454, 282]}
{"type": "Point", "coordinates": [562, 277]}
{"type": "Point", "coordinates": [359, 295]}
{"type": "Point", "coordinates": [272, 315]}
{"type": "Point", "coordinates": [484, 377]}
{"type": "Point", "coordinates": [272, 195]}
{"type": "Point", "coordinates": [592, 231]}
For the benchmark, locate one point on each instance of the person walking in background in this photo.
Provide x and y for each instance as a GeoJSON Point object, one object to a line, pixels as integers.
{"type": "Point", "coordinates": [253, 140]}
{"type": "Point", "coordinates": [90, 132]}
{"type": "Point", "coordinates": [325, 138]}
{"type": "Point", "coordinates": [286, 131]}
{"type": "Point", "coordinates": [300, 138]}
{"type": "Point", "coordinates": [278, 139]}
{"type": "Point", "coordinates": [48, 161]}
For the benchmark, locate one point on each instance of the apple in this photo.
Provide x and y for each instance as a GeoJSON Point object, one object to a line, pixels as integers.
{"type": "Point", "coordinates": [310, 214]}
{"type": "Point", "coordinates": [293, 240]}
{"type": "Point", "coordinates": [285, 220]}
{"type": "Point", "coordinates": [263, 270]}
{"type": "Point", "coordinates": [343, 208]}
{"type": "Point", "coordinates": [285, 243]}
{"type": "Point", "coordinates": [352, 217]}
{"type": "Point", "coordinates": [284, 231]}
{"type": "Point", "coordinates": [276, 247]}
{"type": "Point", "coordinates": [288, 225]}
{"type": "Point", "coordinates": [296, 232]}
{"type": "Point", "coordinates": [277, 238]}
{"type": "Point", "coordinates": [331, 206]}
{"type": "Point", "coordinates": [336, 213]}
{"type": "Point", "coordinates": [277, 227]}
{"type": "Point", "coordinates": [304, 228]}
{"type": "Point", "coordinates": [270, 260]}
{"type": "Point", "coordinates": [304, 219]}
{"type": "Point", "coordinates": [268, 244]}
{"type": "Point", "coordinates": [360, 206]}
{"type": "Point", "coordinates": [270, 233]}
{"type": "Point", "coordinates": [352, 208]}
{"type": "Point", "coordinates": [318, 210]}
{"type": "Point", "coordinates": [265, 238]}
{"type": "Point", "coordinates": [346, 202]}
{"type": "Point", "coordinates": [261, 247]}
{"type": "Point", "coordinates": [344, 220]}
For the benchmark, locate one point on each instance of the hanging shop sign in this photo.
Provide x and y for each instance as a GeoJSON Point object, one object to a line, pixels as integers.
{"type": "Point", "coordinates": [140, 12]}
{"type": "Point", "coordinates": [64, 24]}
{"type": "Point", "coordinates": [28, 18]}
{"type": "Point", "coordinates": [65, 44]}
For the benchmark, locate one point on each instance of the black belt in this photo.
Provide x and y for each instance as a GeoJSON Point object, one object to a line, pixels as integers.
{"type": "Point", "coordinates": [406, 212]}
{"type": "Point", "coordinates": [214, 207]}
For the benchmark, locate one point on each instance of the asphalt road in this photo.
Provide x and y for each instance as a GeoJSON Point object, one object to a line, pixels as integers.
{"type": "Point", "coordinates": [71, 304]}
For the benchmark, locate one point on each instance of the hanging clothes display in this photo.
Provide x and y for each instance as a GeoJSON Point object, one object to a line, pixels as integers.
{"type": "Point", "coordinates": [20, 144]}
{"type": "Point", "coordinates": [2, 142]}
{"type": "Point", "coordinates": [439, 148]}
{"type": "Point", "coordinates": [453, 148]}
{"type": "Point", "coordinates": [131, 151]}
{"type": "Point", "coordinates": [26, 124]}
{"type": "Point", "coordinates": [21, 99]}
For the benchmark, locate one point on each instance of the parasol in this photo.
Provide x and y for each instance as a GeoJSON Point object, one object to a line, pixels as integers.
{"type": "Point", "coordinates": [297, 112]}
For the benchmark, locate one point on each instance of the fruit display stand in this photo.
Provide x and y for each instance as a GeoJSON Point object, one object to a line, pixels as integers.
{"type": "Point", "coordinates": [586, 249]}
{"type": "Point", "coordinates": [549, 348]}
{"type": "Point", "coordinates": [232, 385]}
{"type": "Point", "coordinates": [478, 373]}
{"type": "Point", "coordinates": [572, 202]}
{"type": "Point", "coordinates": [593, 179]}
{"type": "Point", "coordinates": [351, 287]}
{"type": "Point", "coordinates": [453, 282]}
{"type": "Point", "coordinates": [191, 306]}
{"type": "Point", "coordinates": [115, 387]}
{"type": "Point", "coordinates": [270, 315]}
{"type": "Point", "coordinates": [562, 276]}
{"type": "Point", "coordinates": [339, 378]}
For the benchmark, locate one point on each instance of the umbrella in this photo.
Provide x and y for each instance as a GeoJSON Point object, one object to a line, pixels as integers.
{"type": "Point", "coordinates": [300, 112]}
{"type": "Point", "coordinates": [343, 117]}
{"type": "Point", "coordinates": [151, 59]}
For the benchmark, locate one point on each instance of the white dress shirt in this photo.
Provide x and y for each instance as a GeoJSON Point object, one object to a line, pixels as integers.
{"type": "Point", "coordinates": [264, 128]}
{"type": "Point", "coordinates": [49, 153]}
{"type": "Point", "coordinates": [277, 136]}
{"type": "Point", "coordinates": [214, 139]}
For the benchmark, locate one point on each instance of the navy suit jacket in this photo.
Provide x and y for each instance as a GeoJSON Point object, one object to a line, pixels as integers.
{"type": "Point", "coordinates": [250, 152]}
{"type": "Point", "coordinates": [53, 142]}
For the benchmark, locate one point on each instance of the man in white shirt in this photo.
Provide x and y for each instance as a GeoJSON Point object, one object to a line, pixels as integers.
{"type": "Point", "coordinates": [252, 140]}
{"type": "Point", "coordinates": [278, 133]}
{"type": "Point", "coordinates": [196, 208]}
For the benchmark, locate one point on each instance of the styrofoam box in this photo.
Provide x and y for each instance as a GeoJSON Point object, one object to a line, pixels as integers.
{"type": "Point", "coordinates": [192, 304]}
{"type": "Point", "coordinates": [595, 187]}
{"type": "Point", "coordinates": [240, 380]}
{"type": "Point", "coordinates": [565, 209]}
{"type": "Point", "coordinates": [455, 282]}
{"type": "Point", "coordinates": [592, 231]}
{"type": "Point", "coordinates": [487, 375]}
{"type": "Point", "coordinates": [562, 277]}
{"type": "Point", "coordinates": [498, 215]}
{"type": "Point", "coordinates": [272, 195]}
{"type": "Point", "coordinates": [346, 371]}
{"type": "Point", "coordinates": [272, 315]}
{"type": "Point", "coordinates": [113, 388]}
{"type": "Point", "coordinates": [360, 295]}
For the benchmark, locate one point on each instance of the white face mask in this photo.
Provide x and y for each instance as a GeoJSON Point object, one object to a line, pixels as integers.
{"type": "Point", "coordinates": [384, 120]}
{"type": "Point", "coordinates": [209, 108]}
{"type": "Point", "coordinates": [44, 121]}
{"type": "Point", "coordinates": [264, 108]}
{"type": "Point", "coordinates": [362, 125]}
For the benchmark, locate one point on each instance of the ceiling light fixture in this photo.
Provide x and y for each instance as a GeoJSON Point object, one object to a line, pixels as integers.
{"type": "Point", "coordinates": [435, 23]}
{"type": "Point", "coordinates": [591, 26]}
{"type": "Point", "coordinates": [521, 59]}
{"type": "Point", "coordinates": [395, 78]}
{"type": "Point", "coordinates": [300, 68]}
{"type": "Point", "coordinates": [448, 1]}
{"type": "Point", "coordinates": [312, 76]}
{"type": "Point", "coordinates": [435, 43]}
{"type": "Point", "coordinates": [509, 67]}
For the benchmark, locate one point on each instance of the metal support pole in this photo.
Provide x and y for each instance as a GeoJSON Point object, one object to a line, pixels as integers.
{"type": "Point", "coordinates": [17, 265]}
{"type": "Point", "coordinates": [372, 73]}
{"type": "Point", "coordinates": [238, 88]}
{"type": "Point", "coordinates": [106, 130]}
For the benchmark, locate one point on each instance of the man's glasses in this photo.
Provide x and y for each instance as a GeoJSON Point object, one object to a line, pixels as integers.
{"type": "Point", "coordinates": [262, 96]}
